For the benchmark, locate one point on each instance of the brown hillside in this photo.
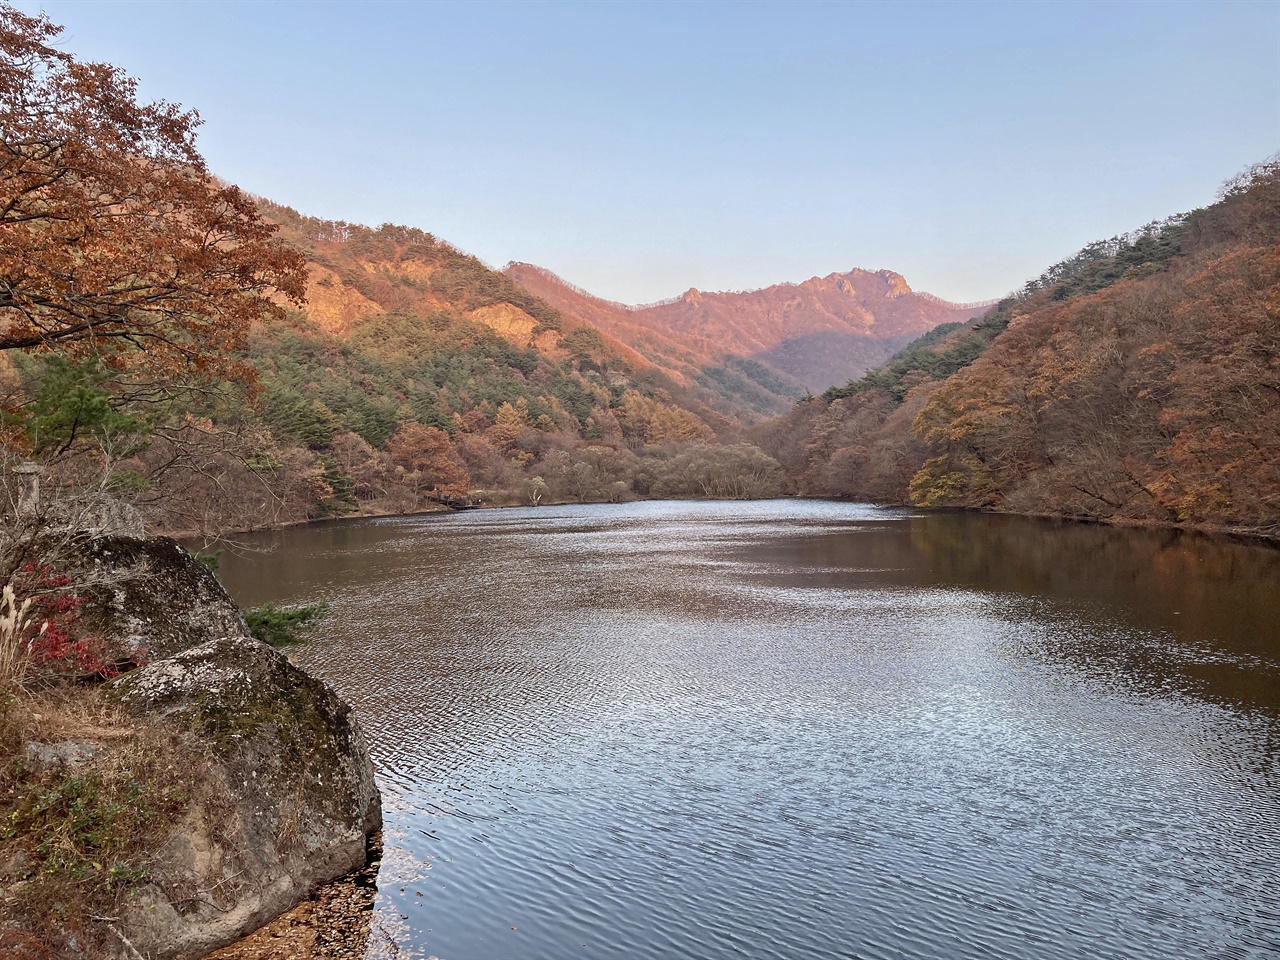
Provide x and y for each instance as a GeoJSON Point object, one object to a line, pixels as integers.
{"type": "Point", "coordinates": [1136, 381]}
{"type": "Point", "coordinates": [814, 334]}
{"type": "Point", "coordinates": [682, 352]}
{"type": "Point", "coordinates": [356, 274]}
{"type": "Point", "coordinates": [359, 275]}
{"type": "Point", "coordinates": [704, 373]}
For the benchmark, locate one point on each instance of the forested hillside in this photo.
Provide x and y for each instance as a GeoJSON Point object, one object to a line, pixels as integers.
{"type": "Point", "coordinates": [782, 340]}
{"type": "Point", "coordinates": [1136, 381]}
{"type": "Point", "coordinates": [411, 376]}
{"type": "Point", "coordinates": [171, 345]}
{"type": "Point", "coordinates": [706, 367]}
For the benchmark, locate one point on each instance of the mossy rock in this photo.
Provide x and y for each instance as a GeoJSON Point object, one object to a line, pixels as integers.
{"type": "Point", "coordinates": [296, 798]}
{"type": "Point", "coordinates": [267, 786]}
{"type": "Point", "coordinates": [147, 595]}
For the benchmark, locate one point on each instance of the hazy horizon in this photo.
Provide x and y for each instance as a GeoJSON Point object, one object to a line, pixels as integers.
{"type": "Point", "coordinates": [639, 150]}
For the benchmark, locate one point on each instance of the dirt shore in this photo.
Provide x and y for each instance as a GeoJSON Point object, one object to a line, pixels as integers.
{"type": "Point", "coordinates": [334, 923]}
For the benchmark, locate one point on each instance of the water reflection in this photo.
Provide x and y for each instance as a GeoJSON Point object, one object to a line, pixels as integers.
{"type": "Point", "coordinates": [1193, 613]}
{"type": "Point", "coordinates": [806, 729]}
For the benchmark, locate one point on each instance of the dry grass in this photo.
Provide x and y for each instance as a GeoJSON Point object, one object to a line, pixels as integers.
{"type": "Point", "coordinates": [15, 622]}
{"type": "Point", "coordinates": [69, 712]}
{"type": "Point", "coordinates": [16, 945]}
{"type": "Point", "coordinates": [74, 838]}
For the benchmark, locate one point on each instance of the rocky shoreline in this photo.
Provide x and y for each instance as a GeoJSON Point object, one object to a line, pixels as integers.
{"type": "Point", "coordinates": [205, 793]}
{"type": "Point", "coordinates": [334, 923]}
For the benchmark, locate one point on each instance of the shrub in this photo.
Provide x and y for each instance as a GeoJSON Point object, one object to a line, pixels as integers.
{"type": "Point", "coordinates": [283, 626]}
{"type": "Point", "coordinates": [38, 614]}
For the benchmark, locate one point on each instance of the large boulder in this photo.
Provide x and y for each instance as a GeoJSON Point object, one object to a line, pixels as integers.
{"type": "Point", "coordinates": [258, 774]}
{"type": "Point", "coordinates": [149, 596]}
{"type": "Point", "coordinates": [290, 802]}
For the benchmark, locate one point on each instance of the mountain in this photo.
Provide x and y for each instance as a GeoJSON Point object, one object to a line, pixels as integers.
{"type": "Point", "coordinates": [809, 335]}
{"type": "Point", "coordinates": [1137, 381]}
{"type": "Point", "coordinates": [725, 381]}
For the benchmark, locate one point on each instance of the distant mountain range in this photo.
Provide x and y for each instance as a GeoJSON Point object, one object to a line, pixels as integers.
{"type": "Point", "coordinates": [811, 335]}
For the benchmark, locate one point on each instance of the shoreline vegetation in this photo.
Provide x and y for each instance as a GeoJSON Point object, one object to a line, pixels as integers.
{"type": "Point", "coordinates": [1137, 382]}
{"type": "Point", "coordinates": [168, 783]}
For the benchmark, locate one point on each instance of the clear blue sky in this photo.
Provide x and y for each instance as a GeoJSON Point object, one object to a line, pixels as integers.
{"type": "Point", "coordinates": [641, 149]}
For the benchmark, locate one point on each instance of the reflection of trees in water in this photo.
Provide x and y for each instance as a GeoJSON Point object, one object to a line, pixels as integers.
{"type": "Point", "coordinates": [1215, 598]}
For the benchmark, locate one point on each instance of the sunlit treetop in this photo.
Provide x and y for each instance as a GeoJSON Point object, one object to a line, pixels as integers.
{"type": "Point", "coordinates": [116, 243]}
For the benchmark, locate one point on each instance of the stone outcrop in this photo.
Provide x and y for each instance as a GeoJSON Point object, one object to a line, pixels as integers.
{"type": "Point", "coordinates": [149, 595]}
{"type": "Point", "coordinates": [290, 804]}
{"type": "Point", "coordinates": [279, 787]}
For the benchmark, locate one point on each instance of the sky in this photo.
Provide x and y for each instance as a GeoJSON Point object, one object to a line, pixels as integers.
{"type": "Point", "coordinates": [640, 149]}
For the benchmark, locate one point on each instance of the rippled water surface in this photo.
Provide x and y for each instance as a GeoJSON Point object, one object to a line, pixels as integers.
{"type": "Point", "coordinates": [805, 729]}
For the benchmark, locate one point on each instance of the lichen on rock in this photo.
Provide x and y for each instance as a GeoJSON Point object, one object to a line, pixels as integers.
{"type": "Point", "coordinates": [296, 794]}
{"type": "Point", "coordinates": [150, 594]}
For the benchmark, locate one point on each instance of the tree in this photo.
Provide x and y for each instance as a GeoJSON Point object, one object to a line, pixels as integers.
{"type": "Point", "coordinates": [115, 241]}
{"type": "Point", "coordinates": [428, 456]}
{"type": "Point", "coordinates": [737, 471]}
{"type": "Point", "coordinates": [509, 422]}
{"type": "Point", "coordinates": [648, 421]}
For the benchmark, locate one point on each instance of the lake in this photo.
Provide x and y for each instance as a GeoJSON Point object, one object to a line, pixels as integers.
{"type": "Point", "coordinates": [804, 729]}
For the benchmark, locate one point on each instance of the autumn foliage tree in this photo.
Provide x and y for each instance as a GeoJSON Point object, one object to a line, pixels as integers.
{"type": "Point", "coordinates": [116, 243]}
{"type": "Point", "coordinates": [126, 272]}
{"type": "Point", "coordinates": [649, 421]}
{"type": "Point", "coordinates": [428, 458]}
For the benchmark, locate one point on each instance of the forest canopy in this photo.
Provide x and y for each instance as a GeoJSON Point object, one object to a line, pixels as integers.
{"type": "Point", "coordinates": [1138, 380]}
